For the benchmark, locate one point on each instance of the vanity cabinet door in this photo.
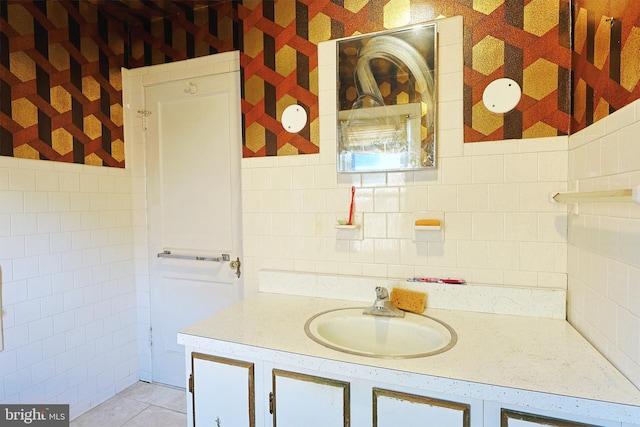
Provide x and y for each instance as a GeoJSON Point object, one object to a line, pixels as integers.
{"type": "Point", "coordinates": [392, 409]}
{"type": "Point", "coordinates": [305, 400]}
{"type": "Point", "coordinates": [223, 391]}
{"type": "Point", "coordinates": [510, 418]}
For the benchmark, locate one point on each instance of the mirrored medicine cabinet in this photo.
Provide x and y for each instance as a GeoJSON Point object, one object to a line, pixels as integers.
{"type": "Point", "coordinates": [386, 100]}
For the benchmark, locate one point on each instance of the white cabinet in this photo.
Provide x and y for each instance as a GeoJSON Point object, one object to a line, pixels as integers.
{"type": "Point", "coordinates": [222, 392]}
{"type": "Point", "coordinates": [308, 400]}
{"type": "Point", "coordinates": [226, 391]}
{"type": "Point", "coordinates": [243, 390]}
{"type": "Point", "coordinates": [392, 409]}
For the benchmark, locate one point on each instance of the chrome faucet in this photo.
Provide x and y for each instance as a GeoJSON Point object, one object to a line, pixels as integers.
{"type": "Point", "coordinates": [382, 306]}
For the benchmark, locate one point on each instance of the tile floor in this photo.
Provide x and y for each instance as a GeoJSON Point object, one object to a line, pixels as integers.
{"type": "Point", "coordinates": [141, 404]}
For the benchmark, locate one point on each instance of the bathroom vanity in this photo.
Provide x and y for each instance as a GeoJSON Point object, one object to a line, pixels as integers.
{"type": "Point", "coordinates": [253, 365]}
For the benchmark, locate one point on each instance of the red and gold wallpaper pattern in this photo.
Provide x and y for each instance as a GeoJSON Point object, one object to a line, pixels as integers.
{"type": "Point", "coordinates": [60, 84]}
{"type": "Point", "coordinates": [528, 41]}
{"type": "Point", "coordinates": [606, 58]}
{"type": "Point", "coordinates": [60, 61]}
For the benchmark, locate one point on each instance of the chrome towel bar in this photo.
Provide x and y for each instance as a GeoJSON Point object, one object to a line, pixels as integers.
{"type": "Point", "coordinates": [221, 258]}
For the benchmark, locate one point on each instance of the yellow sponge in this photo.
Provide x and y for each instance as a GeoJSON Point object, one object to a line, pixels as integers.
{"type": "Point", "coordinates": [408, 300]}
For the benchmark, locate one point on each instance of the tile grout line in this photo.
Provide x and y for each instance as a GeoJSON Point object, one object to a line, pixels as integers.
{"type": "Point", "coordinates": [132, 417]}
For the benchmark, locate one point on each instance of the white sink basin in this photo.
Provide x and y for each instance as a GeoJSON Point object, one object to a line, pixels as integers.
{"type": "Point", "coordinates": [350, 331]}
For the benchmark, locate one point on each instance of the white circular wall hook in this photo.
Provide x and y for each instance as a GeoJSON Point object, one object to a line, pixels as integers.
{"type": "Point", "coordinates": [501, 95]}
{"type": "Point", "coordinates": [294, 118]}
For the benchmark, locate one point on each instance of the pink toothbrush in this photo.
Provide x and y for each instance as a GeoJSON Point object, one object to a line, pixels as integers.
{"type": "Point", "coordinates": [353, 192]}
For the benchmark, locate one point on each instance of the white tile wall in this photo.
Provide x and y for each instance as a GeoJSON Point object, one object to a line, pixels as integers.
{"type": "Point", "coordinates": [499, 227]}
{"type": "Point", "coordinates": [604, 240]}
{"type": "Point", "coordinates": [66, 276]}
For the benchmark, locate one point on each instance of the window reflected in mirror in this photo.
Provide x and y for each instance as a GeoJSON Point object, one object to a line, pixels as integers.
{"type": "Point", "coordinates": [387, 100]}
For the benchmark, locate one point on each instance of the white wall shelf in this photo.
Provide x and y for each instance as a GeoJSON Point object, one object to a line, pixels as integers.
{"type": "Point", "coordinates": [353, 231]}
{"type": "Point", "coordinates": [428, 227]}
{"type": "Point", "coordinates": [347, 227]}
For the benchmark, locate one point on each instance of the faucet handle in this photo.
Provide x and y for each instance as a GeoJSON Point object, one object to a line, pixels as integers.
{"type": "Point", "coordinates": [381, 293]}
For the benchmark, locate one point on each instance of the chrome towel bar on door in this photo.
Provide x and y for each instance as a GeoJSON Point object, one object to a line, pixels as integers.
{"type": "Point", "coordinates": [221, 258]}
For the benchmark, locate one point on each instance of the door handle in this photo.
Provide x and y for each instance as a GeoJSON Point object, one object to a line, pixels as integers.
{"type": "Point", "coordinates": [235, 265]}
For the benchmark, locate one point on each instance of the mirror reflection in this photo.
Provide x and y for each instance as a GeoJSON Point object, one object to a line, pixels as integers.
{"type": "Point", "coordinates": [387, 101]}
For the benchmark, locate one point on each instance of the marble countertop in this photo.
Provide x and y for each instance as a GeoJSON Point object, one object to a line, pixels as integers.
{"type": "Point", "coordinates": [520, 353]}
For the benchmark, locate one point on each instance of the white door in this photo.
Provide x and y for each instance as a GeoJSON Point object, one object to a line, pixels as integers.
{"type": "Point", "coordinates": [193, 190]}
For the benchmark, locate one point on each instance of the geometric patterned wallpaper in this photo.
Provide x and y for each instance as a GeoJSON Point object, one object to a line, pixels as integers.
{"type": "Point", "coordinates": [60, 60]}
{"type": "Point", "coordinates": [280, 66]}
{"type": "Point", "coordinates": [210, 28]}
{"type": "Point", "coordinates": [60, 82]}
{"type": "Point", "coordinates": [528, 41]}
{"type": "Point", "coordinates": [606, 58]}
